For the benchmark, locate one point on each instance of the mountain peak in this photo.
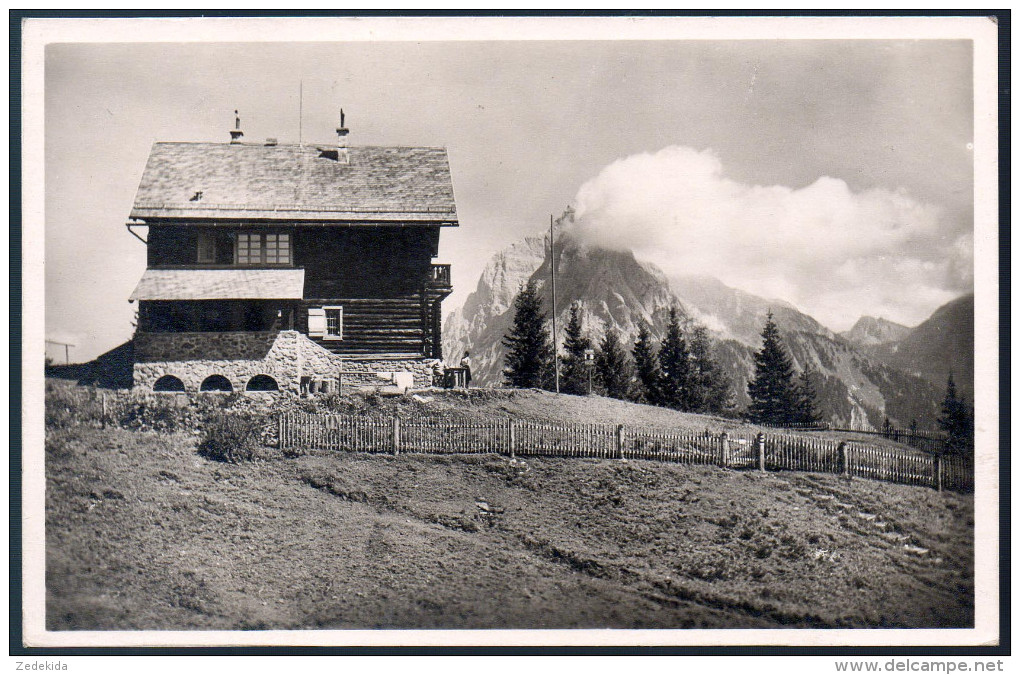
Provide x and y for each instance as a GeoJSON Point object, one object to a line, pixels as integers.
{"type": "Point", "coordinates": [870, 331]}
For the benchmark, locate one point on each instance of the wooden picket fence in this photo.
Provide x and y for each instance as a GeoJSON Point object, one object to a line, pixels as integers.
{"type": "Point", "coordinates": [766, 452]}
{"type": "Point", "coordinates": [930, 441]}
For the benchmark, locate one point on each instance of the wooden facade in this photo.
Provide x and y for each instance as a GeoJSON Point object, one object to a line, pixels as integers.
{"type": "Point", "coordinates": [352, 244]}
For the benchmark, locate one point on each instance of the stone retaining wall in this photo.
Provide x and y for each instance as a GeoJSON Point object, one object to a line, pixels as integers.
{"type": "Point", "coordinates": [320, 363]}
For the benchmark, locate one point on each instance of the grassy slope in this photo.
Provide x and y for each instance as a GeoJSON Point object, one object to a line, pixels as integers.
{"type": "Point", "coordinates": [142, 533]}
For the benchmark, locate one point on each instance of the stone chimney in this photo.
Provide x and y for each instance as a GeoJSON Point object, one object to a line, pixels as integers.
{"type": "Point", "coordinates": [342, 154]}
{"type": "Point", "coordinates": [236, 134]}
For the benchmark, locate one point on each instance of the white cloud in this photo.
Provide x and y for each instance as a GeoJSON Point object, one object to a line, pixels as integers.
{"type": "Point", "coordinates": [835, 253]}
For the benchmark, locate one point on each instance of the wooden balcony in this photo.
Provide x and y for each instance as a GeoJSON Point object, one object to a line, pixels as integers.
{"type": "Point", "coordinates": [439, 278]}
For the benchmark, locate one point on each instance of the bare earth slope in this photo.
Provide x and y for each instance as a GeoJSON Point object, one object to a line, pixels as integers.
{"type": "Point", "coordinates": [142, 533]}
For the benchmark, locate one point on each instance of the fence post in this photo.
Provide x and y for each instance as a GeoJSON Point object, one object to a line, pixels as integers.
{"type": "Point", "coordinates": [396, 435]}
{"type": "Point", "coordinates": [938, 471]}
{"type": "Point", "coordinates": [761, 451]}
{"type": "Point", "coordinates": [103, 421]}
{"type": "Point", "coordinates": [279, 432]}
{"type": "Point", "coordinates": [511, 441]}
{"type": "Point", "coordinates": [844, 460]}
{"type": "Point", "coordinates": [724, 450]}
{"type": "Point", "coordinates": [620, 441]}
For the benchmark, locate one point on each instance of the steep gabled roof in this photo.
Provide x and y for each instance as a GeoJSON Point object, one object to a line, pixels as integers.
{"type": "Point", "coordinates": [295, 183]}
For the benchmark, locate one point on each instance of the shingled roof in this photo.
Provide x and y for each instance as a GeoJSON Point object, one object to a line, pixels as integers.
{"type": "Point", "coordinates": [230, 284]}
{"type": "Point", "coordinates": [295, 183]}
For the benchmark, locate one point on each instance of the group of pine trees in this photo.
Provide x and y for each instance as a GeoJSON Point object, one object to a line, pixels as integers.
{"type": "Point", "coordinates": [681, 373]}
{"type": "Point", "coordinates": [776, 397]}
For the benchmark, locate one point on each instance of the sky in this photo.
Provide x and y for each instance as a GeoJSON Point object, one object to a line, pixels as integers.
{"type": "Point", "coordinates": [836, 174]}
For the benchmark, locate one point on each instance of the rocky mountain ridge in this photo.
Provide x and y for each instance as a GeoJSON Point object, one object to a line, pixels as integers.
{"type": "Point", "coordinates": [855, 387]}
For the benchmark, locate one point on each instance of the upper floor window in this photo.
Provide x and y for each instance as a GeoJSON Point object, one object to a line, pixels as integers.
{"type": "Point", "coordinates": [206, 248]}
{"type": "Point", "coordinates": [263, 249]}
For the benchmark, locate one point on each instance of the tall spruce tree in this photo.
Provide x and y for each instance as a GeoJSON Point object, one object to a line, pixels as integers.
{"type": "Point", "coordinates": [675, 366]}
{"type": "Point", "coordinates": [529, 359]}
{"type": "Point", "coordinates": [613, 370]}
{"type": "Point", "coordinates": [806, 411]}
{"type": "Point", "coordinates": [710, 385]}
{"type": "Point", "coordinates": [772, 393]}
{"type": "Point", "coordinates": [646, 367]}
{"type": "Point", "coordinates": [574, 375]}
{"type": "Point", "coordinates": [956, 421]}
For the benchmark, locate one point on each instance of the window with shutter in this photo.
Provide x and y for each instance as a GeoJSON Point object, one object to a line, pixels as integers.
{"type": "Point", "coordinates": [334, 323]}
{"type": "Point", "coordinates": [316, 322]}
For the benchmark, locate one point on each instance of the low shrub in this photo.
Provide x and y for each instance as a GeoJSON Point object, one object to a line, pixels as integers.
{"type": "Point", "coordinates": [231, 438]}
{"type": "Point", "coordinates": [69, 406]}
{"type": "Point", "coordinates": [158, 414]}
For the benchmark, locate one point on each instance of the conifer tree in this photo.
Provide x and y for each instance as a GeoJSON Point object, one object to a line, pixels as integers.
{"type": "Point", "coordinates": [574, 376]}
{"type": "Point", "coordinates": [806, 411]}
{"type": "Point", "coordinates": [771, 391]}
{"type": "Point", "coordinates": [675, 366]}
{"type": "Point", "coordinates": [529, 359]}
{"type": "Point", "coordinates": [710, 386]}
{"type": "Point", "coordinates": [646, 367]}
{"type": "Point", "coordinates": [955, 420]}
{"type": "Point", "coordinates": [612, 367]}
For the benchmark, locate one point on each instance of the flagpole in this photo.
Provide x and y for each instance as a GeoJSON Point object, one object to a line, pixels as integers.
{"type": "Point", "coordinates": [552, 267]}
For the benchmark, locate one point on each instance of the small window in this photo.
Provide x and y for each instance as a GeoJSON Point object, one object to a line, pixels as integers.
{"type": "Point", "coordinates": [248, 249]}
{"type": "Point", "coordinates": [168, 383]}
{"type": "Point", "coordinates": [216, 383]}
{"type": "Point", "coordinates": [206, 248]}
{"type": "Point", "coordinates": [334, 323]}
{"type": "Point", "coordinates": [277, 249]}
{"type": "Point", "coordinates": [262, 383]}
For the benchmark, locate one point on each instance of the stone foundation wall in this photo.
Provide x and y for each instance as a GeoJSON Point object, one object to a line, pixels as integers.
{"type": "Point", "coordinates": [237, 356]}
{"type": "Point", "coordinates": [286, 356]}
{"type": "Point", "coordinates": [232, 346]}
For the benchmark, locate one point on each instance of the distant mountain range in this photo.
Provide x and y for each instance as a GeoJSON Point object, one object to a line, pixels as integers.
{"type": "Point", "coordinates": [940, 345]}
{"type": "Point", "coordinates": [876, 369]}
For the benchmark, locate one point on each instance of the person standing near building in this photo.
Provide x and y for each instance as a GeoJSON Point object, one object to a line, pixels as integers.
{"type": "Point", "coordinates": [465, 363]}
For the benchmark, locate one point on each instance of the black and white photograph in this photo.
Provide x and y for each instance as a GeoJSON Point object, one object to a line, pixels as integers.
{"type": "Point", "coordinates": [526, 331]}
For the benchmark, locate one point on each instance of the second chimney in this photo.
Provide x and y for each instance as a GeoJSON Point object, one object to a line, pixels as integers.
{"type": "Point", "coordinates": [236, 133]}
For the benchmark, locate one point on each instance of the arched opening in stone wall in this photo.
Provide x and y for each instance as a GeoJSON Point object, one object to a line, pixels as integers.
{"type": "Point", "coordinates": [216, 383]}
{"type": "Point", "coordinates": [168, 383]}
{"type": "Point", "coordinates": [262, 383]}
